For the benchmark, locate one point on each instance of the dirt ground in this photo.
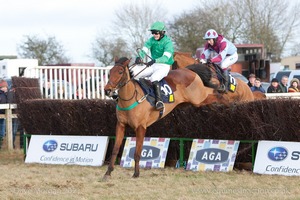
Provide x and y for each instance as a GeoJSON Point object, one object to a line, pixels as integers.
{"type": "Point", "coordinates": [37, 181]}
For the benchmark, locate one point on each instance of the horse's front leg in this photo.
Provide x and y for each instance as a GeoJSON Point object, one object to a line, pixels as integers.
{"type": "Point", "coordinates": [140, 134]}
{"type": "Point", "coordinates": [120, 130]}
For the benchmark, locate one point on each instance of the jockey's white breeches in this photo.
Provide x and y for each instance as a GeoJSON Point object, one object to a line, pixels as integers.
{"type": "Point", "coordinates": [155, 72]}
{"type": "Point", "coordinates": [228, 61]}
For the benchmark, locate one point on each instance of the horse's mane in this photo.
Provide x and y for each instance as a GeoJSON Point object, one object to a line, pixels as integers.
{"type": "Point", "coordinates": [204, 72]}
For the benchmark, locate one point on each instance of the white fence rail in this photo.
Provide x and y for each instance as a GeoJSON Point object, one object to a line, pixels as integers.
{"type": "Point", "coordinates": [85, 82]}
{"type": "Point", "coordinates": [293, 95]}
{"type": "Point", "coordinates": [70, 82]}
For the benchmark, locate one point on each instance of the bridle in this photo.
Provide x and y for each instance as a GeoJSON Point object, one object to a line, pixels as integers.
{"type": "Point", "coordinates": [121, 83]}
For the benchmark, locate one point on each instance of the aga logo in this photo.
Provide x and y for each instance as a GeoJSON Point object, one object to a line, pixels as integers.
{"type": "Point", "coordinates": [50, 145]}
{"type": "Point", "coordinates": [212, 156]}
{"type": "Point", "coordinates": [148, 153]}
{"type": "Point", "coordinates": [277, 153]}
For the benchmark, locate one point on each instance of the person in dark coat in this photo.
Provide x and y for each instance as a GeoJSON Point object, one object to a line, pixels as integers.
{"type": "Point", "coordinates": [3, 100]}
{"type": "Point", "coordinates": [251, 79]}
{"type": "Point", "coordinates": [257, 86]}
{"type": "Point", "coordinates": [274, 87]}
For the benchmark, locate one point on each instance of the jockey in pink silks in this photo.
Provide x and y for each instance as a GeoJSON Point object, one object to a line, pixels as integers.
{"type": "Point", "coordinates": [225, 50]}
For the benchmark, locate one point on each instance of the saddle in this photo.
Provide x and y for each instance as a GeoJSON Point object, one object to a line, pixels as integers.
{"type": "Point", "coordinates": [167, 94]}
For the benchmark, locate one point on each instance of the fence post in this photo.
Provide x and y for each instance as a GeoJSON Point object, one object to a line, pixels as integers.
{"type": "Point", "coordinates": [8, 127]}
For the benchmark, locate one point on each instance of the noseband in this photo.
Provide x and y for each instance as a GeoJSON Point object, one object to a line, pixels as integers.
{"type": "Point", "coordinates": [122, 82]}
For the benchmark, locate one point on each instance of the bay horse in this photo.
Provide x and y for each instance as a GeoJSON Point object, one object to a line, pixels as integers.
{"type": "Point", "coordinates": [132, 109]}
{"type": "Point", "coordinates": [242, 93]}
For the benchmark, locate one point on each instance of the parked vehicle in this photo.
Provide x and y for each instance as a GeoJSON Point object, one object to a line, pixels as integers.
{"type": "Point", "coordinates": [239, 76]}
{"type": "Point", "coordinates": [289, 73]}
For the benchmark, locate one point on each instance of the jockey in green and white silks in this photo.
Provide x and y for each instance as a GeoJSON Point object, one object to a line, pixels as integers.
{"type": "Point", "coordinates": [160, 48]}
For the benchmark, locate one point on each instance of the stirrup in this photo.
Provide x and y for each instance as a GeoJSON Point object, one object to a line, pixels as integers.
{"type": "Point", "coordinates": [159, 105]}
{"type": "Point", "coordinates": [222, 88]}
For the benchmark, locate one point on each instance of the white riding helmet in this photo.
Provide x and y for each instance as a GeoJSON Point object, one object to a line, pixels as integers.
{"type": "Point", "coordinates": [210, 34]}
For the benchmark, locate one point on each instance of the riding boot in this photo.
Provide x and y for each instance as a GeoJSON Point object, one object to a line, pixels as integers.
{"type": "Point", "coordinates": [224, 84]}
{"type": "Point", "coordinates": [226, 75]}
{"type": "Point", "coordinates": [159, 104]}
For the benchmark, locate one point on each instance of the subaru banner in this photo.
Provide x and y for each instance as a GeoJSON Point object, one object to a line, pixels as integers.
{"type": "Point", "coordinates": [67, 150]}
{"type": "Point", "coordinates": [275, 157]}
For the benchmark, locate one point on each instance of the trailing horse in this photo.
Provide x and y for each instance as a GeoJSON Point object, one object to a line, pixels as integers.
{"type": "Point", "coordinates": [134, 111]}
{"type": "Point", "coordinates": [242, 91]}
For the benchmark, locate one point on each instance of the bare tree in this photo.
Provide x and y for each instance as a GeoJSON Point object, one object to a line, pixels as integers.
{"type": "Point", "coordinates": [295, 50]}
{"type": "Point", "coordinates": [48, 51]}
{"type": "Point", "coordinates": [104, 50]}
{"type": "Point", "coordinates": [189, 28]}
{"type": "Point", "coordinates": [134, 19]}
{"type": "Point", "coordinates": [130, 27]}
{"type": "Point", "coordinates": [269, 22]}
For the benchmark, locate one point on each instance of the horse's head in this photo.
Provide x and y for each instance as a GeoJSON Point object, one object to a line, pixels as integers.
{"type": "Point", "coordinates": [118, 76]}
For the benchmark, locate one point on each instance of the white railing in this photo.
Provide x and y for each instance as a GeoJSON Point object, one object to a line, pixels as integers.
{"type": "Point", "coordinates": [8, 116]}
{"type": "Point", "coordinates": [85, 82]}
{"type": "Point", "coordinates": [292, 95]}
{"type": "Point", "coordinates": [70, 82]}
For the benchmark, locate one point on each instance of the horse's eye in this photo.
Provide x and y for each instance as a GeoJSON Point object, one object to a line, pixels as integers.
{"type": "Point", "coordinates": [120, 71]}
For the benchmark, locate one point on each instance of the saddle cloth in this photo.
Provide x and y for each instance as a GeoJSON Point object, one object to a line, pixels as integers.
{"type": "Point", "coordinates": [166, 91]}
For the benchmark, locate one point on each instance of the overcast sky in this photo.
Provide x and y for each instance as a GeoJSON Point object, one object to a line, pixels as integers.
{"type": "Point", "coordinates": [75, 23]}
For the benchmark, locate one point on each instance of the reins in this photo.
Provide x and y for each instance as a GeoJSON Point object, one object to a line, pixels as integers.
{"type": "Point", "coordinates": [120, 85]}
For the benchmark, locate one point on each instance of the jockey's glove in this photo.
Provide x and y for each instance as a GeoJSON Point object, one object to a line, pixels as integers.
{"type": "Point", "coordinates": [203, 61]}
{"type": "Point", "coordinates": [138, 60]}
{"type": "Point", "coordinates": [150, 63]}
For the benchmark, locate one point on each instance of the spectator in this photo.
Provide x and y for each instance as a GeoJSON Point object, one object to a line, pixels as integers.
{"type": "Point", "coordinates": [257, 86]}
{"type": "Point", "coordinates": [46, 94]}
{"type": "Point", "coordinates": [15, 121]}
{"type": "Point", "coordinates": [251, 79]}
{"type": "Point", "coordinates": [283, 84]}
{"type": "Point", "coordinates": [3, 100]}
{"type": "Point", "coordinates": [294, 85]}
{"type": "Point", "coordinates": [274, 87]}
{"type": "Point", "coordinates": [6, 96]}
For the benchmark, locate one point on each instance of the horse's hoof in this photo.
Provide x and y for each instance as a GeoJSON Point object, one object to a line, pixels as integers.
{"type": "Point", "coordinates": [135, 175]}
{"type": "Point", "coordinates": [106, 178]}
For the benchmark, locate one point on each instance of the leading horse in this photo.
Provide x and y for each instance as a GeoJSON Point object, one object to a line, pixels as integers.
{"type": "Point", "coordinates": [242, 93]}
{"type": "Point", "coordinates": [134, 111]}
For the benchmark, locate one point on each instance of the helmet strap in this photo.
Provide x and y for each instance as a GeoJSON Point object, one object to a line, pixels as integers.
{"type": "Point", "coordinates": [162, 34]}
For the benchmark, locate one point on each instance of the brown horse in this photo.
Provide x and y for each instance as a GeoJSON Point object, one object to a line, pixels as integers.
{"type": "Point", "coordinates": [243, 92]}
{"type": "Point", "coordinates": [187, 86]}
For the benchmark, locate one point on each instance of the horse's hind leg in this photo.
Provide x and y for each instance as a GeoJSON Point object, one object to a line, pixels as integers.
{"type": "Point", "coordinates": [140, 134]}
{"type": "Point", "coordinates": [120, 129]}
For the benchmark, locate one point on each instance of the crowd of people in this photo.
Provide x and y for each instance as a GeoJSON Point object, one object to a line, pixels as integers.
{"type": "Point", "coordinates": [276, 86]}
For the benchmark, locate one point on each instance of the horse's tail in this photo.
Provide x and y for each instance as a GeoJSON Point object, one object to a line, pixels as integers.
{"type": "Point", "coordinates": [205, 74]}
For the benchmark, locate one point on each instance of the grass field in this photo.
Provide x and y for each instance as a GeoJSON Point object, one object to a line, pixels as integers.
{"type": "Point", "coordinates": [35, 181]}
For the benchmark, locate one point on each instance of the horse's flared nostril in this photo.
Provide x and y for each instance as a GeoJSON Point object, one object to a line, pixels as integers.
{"type": "Point", "coordinates": [107, 92]}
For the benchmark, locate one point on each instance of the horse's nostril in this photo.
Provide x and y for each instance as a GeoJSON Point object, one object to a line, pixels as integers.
{"type": "Point", "coordinates": [107, 92]}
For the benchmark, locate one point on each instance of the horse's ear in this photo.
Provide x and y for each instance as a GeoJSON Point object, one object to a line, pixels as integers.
{"type": "Point", "coordinates": [127, 62]}
{"type": "Point", "coordinates": [116, 59]}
